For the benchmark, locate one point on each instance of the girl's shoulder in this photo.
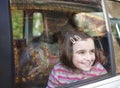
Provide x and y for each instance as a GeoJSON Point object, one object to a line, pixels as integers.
{"type": "Point", "coordinates": [99, 65]}
{"type": "Point", "coordinates": [59, 65]}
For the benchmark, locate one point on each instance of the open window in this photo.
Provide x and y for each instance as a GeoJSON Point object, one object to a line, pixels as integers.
{"type": "Point", "coordinates": [36, 26]}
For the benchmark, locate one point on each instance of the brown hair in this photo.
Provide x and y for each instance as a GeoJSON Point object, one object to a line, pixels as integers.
{"type": "Point", "coordinates": [66, 49]}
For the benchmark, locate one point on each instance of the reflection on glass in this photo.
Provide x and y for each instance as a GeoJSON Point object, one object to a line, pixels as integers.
{"type": "Point", "coordinates": [115, 24]}
{"type": "Point", "coordinates": [93, 23]}
{"type": "Point", "coordinates": [114, 14]}
{"type": "Point", "coordinates": [37, 24]}
{"type": "Point", "coordinates": [17, 20]}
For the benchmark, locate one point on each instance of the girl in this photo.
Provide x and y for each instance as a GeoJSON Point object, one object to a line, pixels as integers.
{"type": "Point", "coordinates": [77, 60]}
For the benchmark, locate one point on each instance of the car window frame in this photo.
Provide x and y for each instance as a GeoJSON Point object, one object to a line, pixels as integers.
{"type": "Point", "coordinates": [7, 60]}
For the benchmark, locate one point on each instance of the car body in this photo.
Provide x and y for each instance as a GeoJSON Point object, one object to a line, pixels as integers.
{"type": "Point", "coordinates": [25, 25]}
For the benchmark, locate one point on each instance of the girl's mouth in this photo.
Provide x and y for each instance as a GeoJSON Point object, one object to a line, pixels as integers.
{"type": "Point", "coordinates": [88, 64]}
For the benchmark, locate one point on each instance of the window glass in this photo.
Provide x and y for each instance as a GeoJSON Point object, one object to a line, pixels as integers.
{"type": "Point", "coordinates": [17, 23]}
{"type": "Point", "coordinates": [115, 25]}
{"type": "Point", "coordinates": [37, 24]}
{"type": "Point", "coordinates": [116, 41]}
{"type": "Point", "coordinates": [40, 25]}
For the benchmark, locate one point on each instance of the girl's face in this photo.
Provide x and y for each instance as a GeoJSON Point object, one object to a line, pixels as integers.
{"type": "Point", "coordinates": [84, 54]}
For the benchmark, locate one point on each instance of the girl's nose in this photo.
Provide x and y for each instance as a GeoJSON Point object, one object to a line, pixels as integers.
{"type": "Point", "coordinates": [88, 57]}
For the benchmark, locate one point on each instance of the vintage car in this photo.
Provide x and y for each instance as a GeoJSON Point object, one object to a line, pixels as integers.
{"type": "Point", "coordinates": [30, 39]}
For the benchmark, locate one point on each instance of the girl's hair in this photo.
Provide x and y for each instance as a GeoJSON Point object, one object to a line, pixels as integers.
{"type": "Point", "coordinates": [66, 46]}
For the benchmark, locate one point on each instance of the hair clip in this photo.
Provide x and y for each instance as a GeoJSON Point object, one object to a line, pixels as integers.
{"type": "Point", "coordinates": [72, 40]}
{"type": "Point", "coordinates": [77, 37]}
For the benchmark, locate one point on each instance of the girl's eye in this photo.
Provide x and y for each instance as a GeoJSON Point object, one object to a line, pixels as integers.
{"type": "Point", "coordinates": [92, 51]}
{"type": "Point", "coordinates": [81, 52]}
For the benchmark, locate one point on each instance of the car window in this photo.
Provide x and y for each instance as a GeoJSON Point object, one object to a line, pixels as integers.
{"type": "Point", "coordinates": [36, 28]}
